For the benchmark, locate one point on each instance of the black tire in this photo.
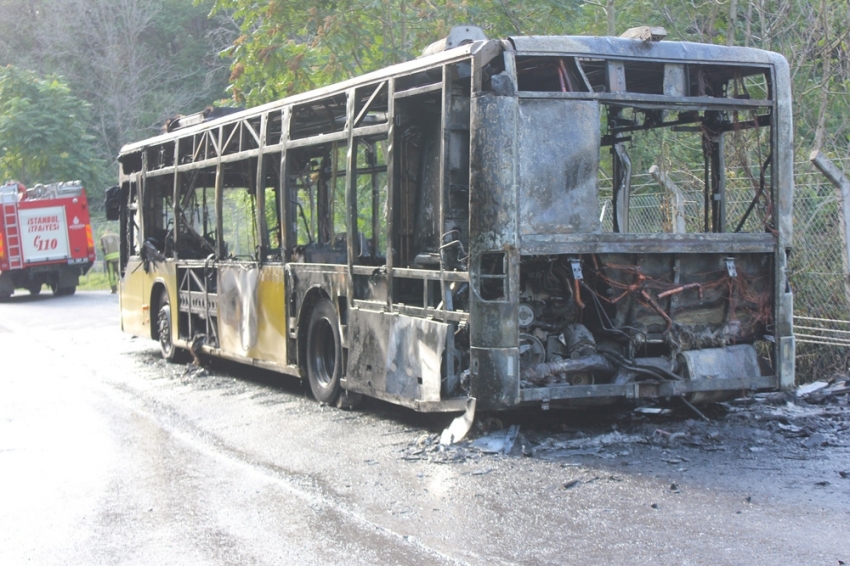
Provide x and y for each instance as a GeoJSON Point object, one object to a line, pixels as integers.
{"type": "Point", "coordinates": [34, 289]}
{"type": "Point", "coordinates": [7, 287]}
{"type": "Point", "coordinates": [170, 352]}
{"type": "Point", "coordinates": [62, 291]}
{"type": "Point", "coordinates": [324, 353]}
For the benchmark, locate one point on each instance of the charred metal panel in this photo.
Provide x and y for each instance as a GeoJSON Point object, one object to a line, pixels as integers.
{"type": "Point", "coordinates": [395, 356]}
{"type": "Point", "coordinates": [237, 307]}
{"type": "Point", "coordinates": [332, 281]}
{"type": "Point", "coordinates": [646, 243]}
{"type": "Point", "coordinates": [784, 196]}
{"type": "Point", "coordinates": [494, 377]}
{"type": "Point", "coordinates": [616, 76]}
{"type": "Point", "coordinates": [624, 49]}
{"type": "Point", "coordinates": [558, 166]}
{"type": "Point", "coordinates": [494, 257]}
{"type": "Point", "coordinates": [250, 312]}
{"type": "Point", "coordinates": [581, 394]}
{"type": "Point", "coordinates": [675, 80]}
{"type": "Point", "coordinates": [720, 363]}
{"type": "Point", "coordinates": [784, 132]}
{"type": "Point", "coordinates": [717, 364]}
{"type": "Point", "coordinates": [372, 287]}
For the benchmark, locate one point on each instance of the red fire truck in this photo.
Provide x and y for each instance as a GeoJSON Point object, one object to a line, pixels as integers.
{"type": "Point", "coordinates": [45, 237]}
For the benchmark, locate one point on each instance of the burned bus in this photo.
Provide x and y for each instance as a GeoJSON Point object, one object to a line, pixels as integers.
{"type": "Point", "coordinates": [467, 225]}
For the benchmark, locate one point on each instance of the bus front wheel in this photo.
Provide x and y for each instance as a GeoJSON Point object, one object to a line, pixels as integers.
{"type": "Point", "coordinates": [170, 352]}
{"type": "Point", "coordinates": [324, 352]}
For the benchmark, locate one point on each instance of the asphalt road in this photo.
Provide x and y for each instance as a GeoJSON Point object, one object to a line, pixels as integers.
{"type": "Point", "coordinates": [110, 456]}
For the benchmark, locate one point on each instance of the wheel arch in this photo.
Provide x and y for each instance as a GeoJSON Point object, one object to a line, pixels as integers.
{"type": "Point", "coordinates": [313, 295]}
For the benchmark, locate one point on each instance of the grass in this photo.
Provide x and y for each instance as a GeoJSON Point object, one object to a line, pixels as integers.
{"type": "Point", "coordinates": [820, 362]}
{"type": "Point", "coordinates": [94, 281]}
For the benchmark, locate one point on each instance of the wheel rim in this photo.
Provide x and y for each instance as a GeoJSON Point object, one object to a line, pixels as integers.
{"type": "Point", "coordinates": [164, 326]}
{"type": "Point", "coordinates": [324, 352]}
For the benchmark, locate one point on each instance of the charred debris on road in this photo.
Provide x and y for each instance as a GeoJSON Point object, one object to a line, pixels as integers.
{"type": "Point", "coordinates": [794, 425]}
{"type": "Point", "coordinates": [790, 425]}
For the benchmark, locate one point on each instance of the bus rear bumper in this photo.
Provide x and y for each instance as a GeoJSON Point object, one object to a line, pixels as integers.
{"type": "Point", "coordinates": [697, 390]}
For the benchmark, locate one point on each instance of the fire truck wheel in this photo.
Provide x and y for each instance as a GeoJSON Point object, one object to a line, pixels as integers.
{"type": "Point", "coordinates": [62, 291]}
{"type": "Point", "coordinates": [324, 352]}
{"type": "Point", "coordinates": [170, 352]}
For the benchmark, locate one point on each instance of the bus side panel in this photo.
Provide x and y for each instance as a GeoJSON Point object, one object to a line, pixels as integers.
{"type": "Point", "coordinates": [135, 293]}
{"type": "Point", "coordinates": [238, 302]}
{"type": "Point", "coordinates": [395, 357]}
{"type": "Point", "coordinates": [271, 312]}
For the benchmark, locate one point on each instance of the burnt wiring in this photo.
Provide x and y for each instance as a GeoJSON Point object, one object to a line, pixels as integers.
{"type": "Point", "coordinates": [762, 314]}
{"type": "Point", "coordinates": [600, 311]}
{"type": "Point", "coordinates": [741, 293]}
{"type": "Point", "coordinates": [759, 192]}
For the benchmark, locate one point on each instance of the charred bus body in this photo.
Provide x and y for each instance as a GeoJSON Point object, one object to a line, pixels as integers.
{"type": "Point", "coordinates": [465, 225]}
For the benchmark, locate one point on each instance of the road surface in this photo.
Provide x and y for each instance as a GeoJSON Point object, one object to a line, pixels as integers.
{"type": "Point", "coordinates": [108, 455]}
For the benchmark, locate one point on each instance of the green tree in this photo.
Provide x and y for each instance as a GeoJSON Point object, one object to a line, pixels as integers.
{"type": "Point", "coordinates": [43, 137]}
{"type": "Point", "coordinates": [287, 47]}
{"type": "Point", "coordinates": [136, 62]}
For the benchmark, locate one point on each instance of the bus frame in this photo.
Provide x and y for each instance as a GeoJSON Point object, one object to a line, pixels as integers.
{"type": "Point", "coordinates": [431, 232]}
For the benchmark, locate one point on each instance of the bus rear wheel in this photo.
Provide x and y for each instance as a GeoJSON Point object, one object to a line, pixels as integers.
{"type": "Point", "coordinates": [324, 353]}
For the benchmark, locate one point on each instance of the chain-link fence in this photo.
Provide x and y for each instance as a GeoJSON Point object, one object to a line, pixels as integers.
{"type": "Point", "coordinates": [816, 264]}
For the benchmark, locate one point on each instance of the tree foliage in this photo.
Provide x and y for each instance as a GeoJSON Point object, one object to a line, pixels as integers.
{"type": "Point", "coordinates": [43, 135]}
{"type": "Point", "coordinates": [135, 62]}
{"type": "Point", "coordinates": [286, 46]}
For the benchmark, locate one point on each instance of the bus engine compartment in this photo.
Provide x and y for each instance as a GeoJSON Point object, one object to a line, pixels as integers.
{"type": "Point", "coordinates": [626, 318]}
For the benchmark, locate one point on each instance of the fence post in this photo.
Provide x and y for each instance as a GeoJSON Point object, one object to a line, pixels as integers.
{"type": "Point", "coordinates": [842, 184]}
{"type": "Point", "coordinates": [678, 200]}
